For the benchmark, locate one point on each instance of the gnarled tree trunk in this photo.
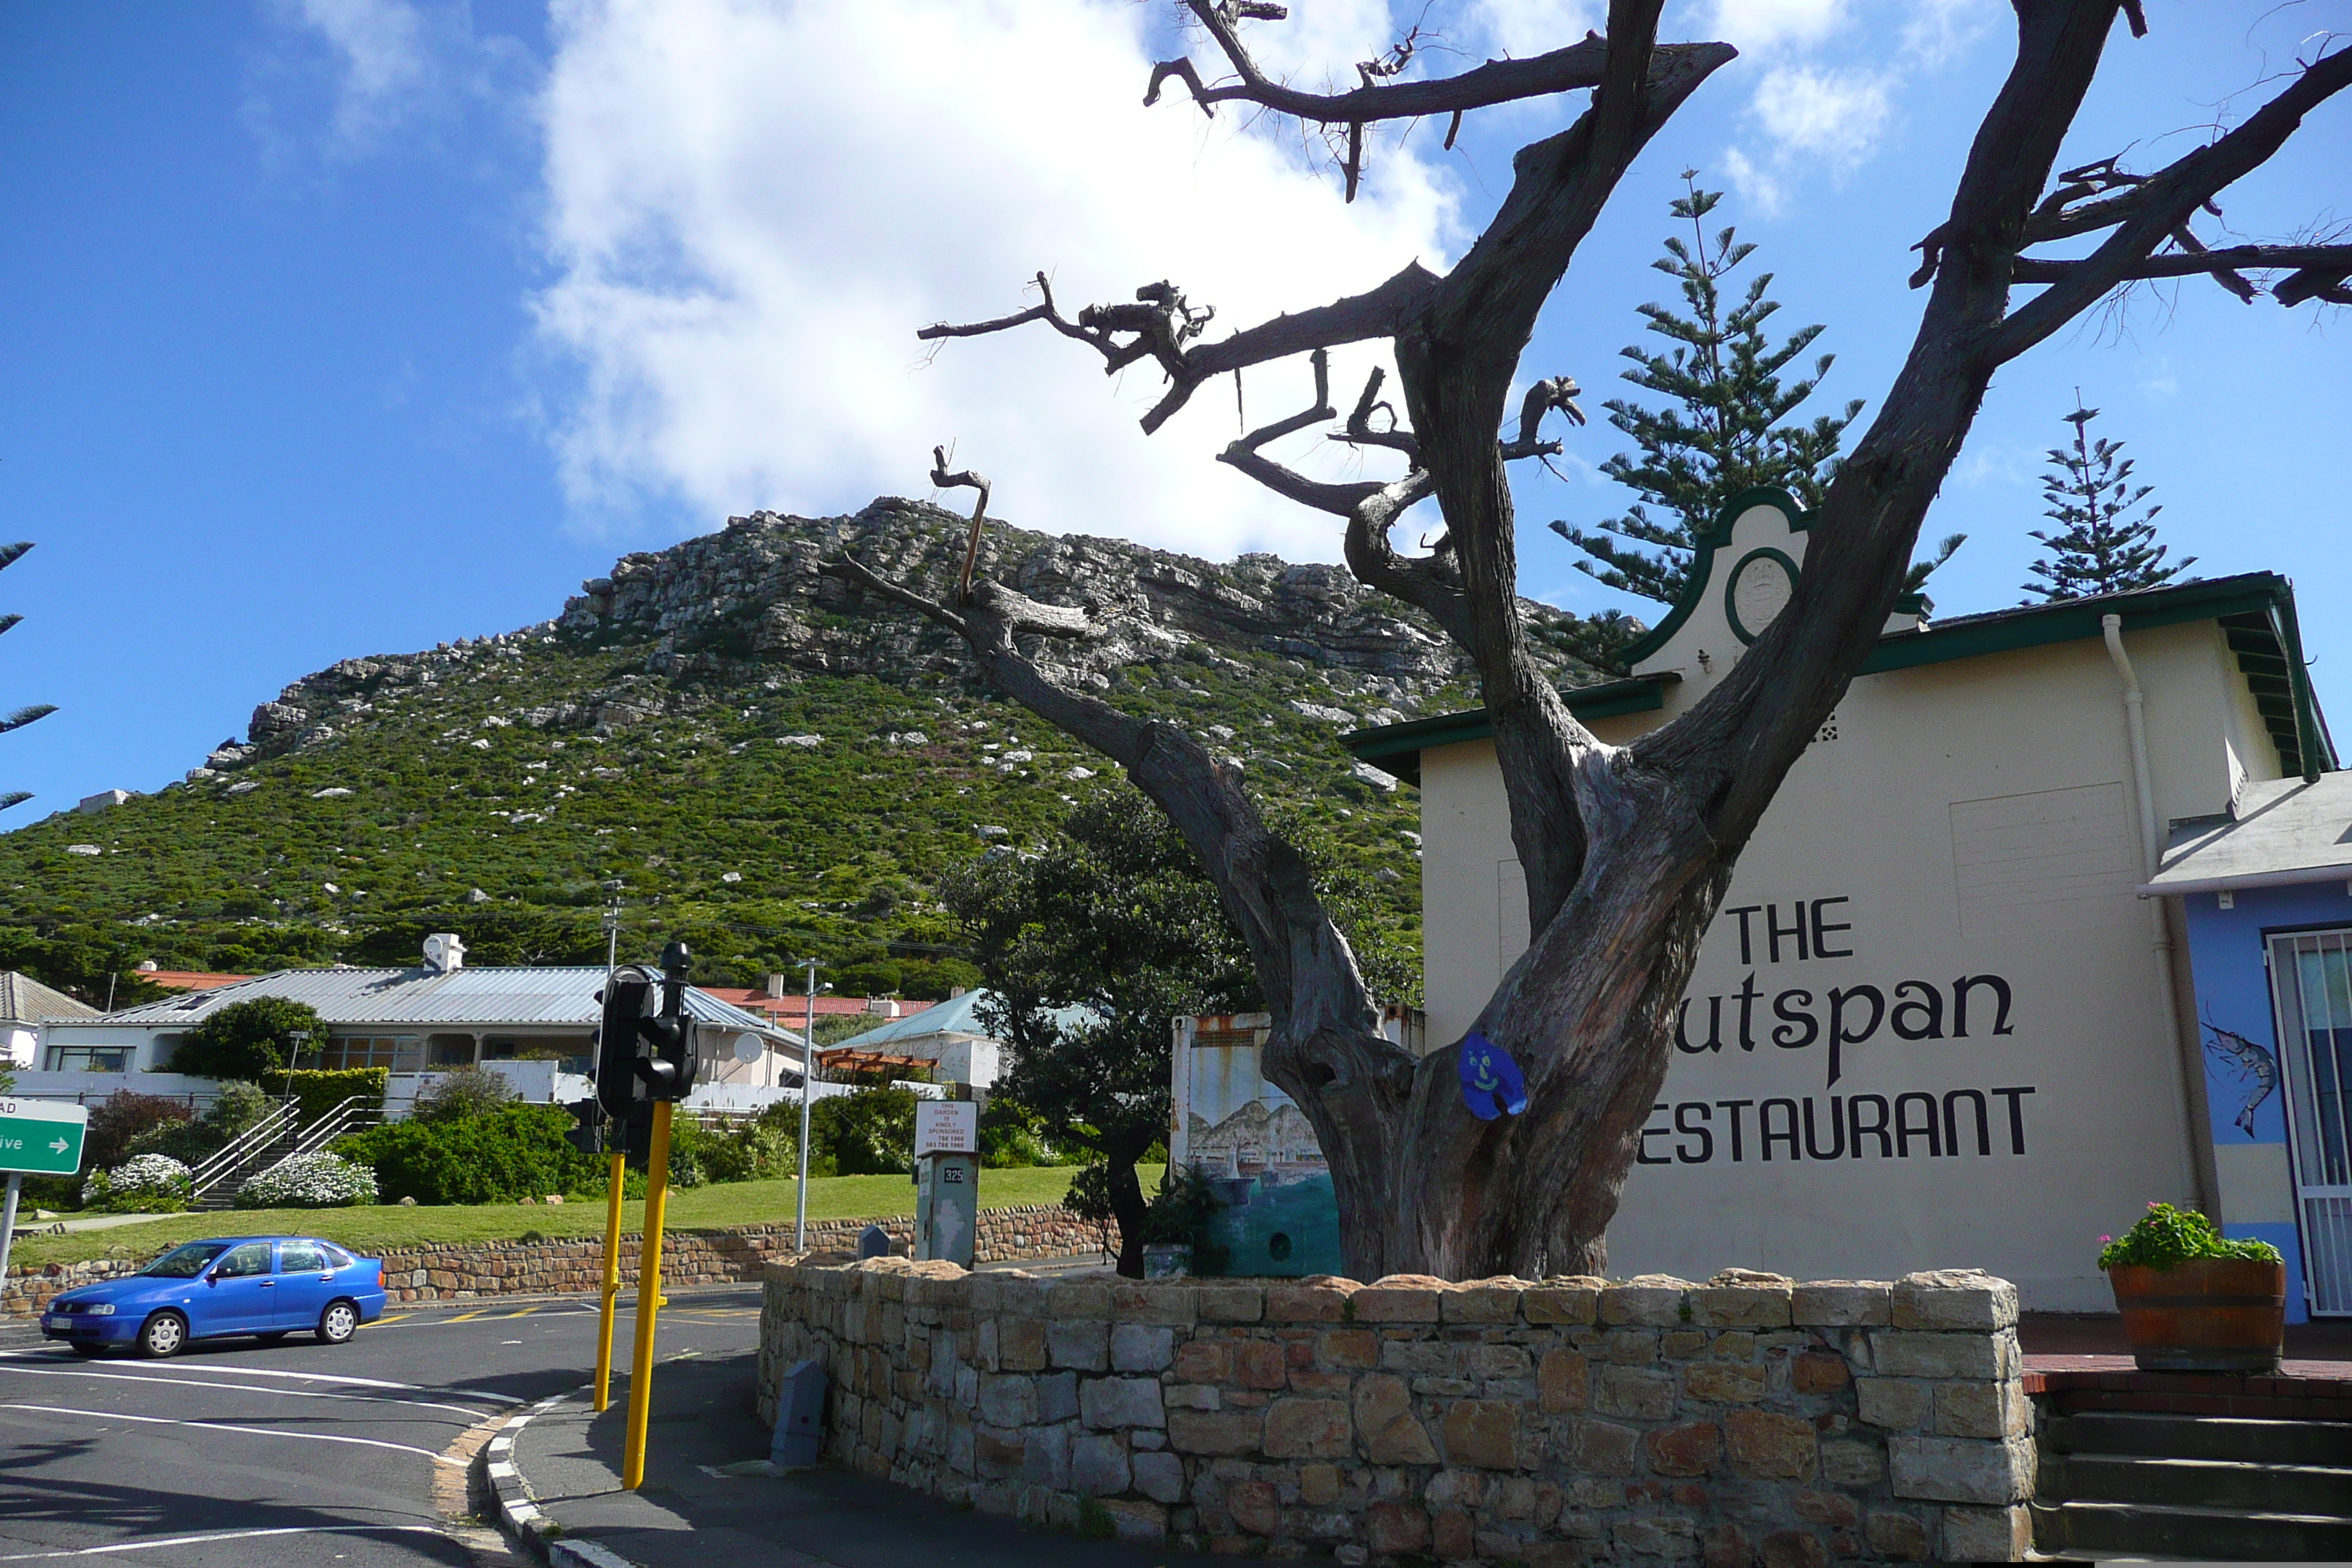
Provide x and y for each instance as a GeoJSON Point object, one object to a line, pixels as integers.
{"type": "Point", "coordinates": [1627, 850]}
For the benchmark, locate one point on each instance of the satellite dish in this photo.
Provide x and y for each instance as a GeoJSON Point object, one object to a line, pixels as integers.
{"type": "Point", "coordinates": [748, 1048]}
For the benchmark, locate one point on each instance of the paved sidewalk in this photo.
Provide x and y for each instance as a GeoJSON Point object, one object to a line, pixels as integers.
{"type": "Point", "coordinates": [691, 1514]}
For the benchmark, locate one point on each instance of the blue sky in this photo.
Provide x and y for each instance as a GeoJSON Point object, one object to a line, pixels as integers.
{"type": "Point", "coordinates": [347, 326]}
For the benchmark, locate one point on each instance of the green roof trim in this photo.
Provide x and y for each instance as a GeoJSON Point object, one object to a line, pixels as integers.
{"type": "Point", "coordinates": [1396, 748]}
{"type": "Point", "coordinates": [1702, 565]}
{"type": "Point", "coordinates": [2256, 610]}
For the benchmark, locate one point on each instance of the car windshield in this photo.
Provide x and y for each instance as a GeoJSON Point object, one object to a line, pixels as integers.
{"type": "Point", "coordinates": [185, 1262]}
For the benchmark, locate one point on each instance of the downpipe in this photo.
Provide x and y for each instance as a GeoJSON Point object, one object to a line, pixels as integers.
{"type": "Point", "coordinates": [2160, 936]}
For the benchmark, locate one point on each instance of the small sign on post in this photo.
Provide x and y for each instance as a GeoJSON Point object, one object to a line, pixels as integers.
{"type": "Point", "coordinates": [38, 1136]}
{"type": "Point", "coordinates": [945, 1127]}
{"type": "Point", "coordinates": [41, 1137]}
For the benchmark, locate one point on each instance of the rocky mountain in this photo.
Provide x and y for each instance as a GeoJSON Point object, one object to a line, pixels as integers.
{"type": "Point", "coordinates": [730, 744]}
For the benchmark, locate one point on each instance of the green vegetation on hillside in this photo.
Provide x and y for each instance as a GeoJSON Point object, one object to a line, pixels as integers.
{"type": "Point", "coordinates": [709, 821]}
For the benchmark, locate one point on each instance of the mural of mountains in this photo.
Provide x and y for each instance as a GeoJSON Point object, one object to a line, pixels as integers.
{"type": "Point", "coordinates": [734, 748]}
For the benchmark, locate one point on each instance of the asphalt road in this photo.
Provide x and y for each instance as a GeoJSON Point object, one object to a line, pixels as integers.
{"type": "Point", "coordinates": [234, 1454]}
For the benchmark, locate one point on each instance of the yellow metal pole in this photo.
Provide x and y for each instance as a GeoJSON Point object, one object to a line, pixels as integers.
{"type": "Point", "coordinates": [614, 1182]}
{"type": "Point", "coordinates": [641, 1363]}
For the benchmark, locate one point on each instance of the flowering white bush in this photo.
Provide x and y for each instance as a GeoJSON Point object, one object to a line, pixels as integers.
{"type": "Point", "coordinates": [317, 1181]}
{"type": "Point", "coordinates": [150, 1182]}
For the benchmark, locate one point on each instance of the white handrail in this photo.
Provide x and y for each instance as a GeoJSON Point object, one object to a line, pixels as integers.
{"type": "Point", "coordinates": [233, 1155]}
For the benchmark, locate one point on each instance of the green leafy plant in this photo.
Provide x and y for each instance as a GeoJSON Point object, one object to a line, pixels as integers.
{"type": "Point", "coordinates": [145, 1183]}
{"type": "Point", "coordinates": [463, 1091]}
{"type": "Point", "coordinates": [868, 1133]}
{"type": "Point", "coordinates": [248, 1039]}
{"type": "Point", "coordinates": [118, 1123]}
{"type": "Point", "coordinates": [316, 1090]}
{"type": "Point", "coordinates": [2165, 1235]}
{"type": "Point", "coordinates": [514, 1152]}
{"type": "Point", "coordinates": [1180, 1213]}
{"type": "Point", "coordinates": [317, 1180]}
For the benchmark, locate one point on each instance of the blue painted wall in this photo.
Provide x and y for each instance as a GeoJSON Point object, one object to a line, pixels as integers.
{"type": "Point", "coordinates": [2233, 993]}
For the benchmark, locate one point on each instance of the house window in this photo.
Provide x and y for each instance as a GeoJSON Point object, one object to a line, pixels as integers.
{"type": "Point", "coordinates": [453, 1050]}
{"type": "Point", "coordinates": [90, 1058]}
{"type": "Point", "coordinates": [361, 1051]}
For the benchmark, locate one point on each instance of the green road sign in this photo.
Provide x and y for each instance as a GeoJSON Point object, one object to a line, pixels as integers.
{"type": "Point", "coordinates": [41, 1136]}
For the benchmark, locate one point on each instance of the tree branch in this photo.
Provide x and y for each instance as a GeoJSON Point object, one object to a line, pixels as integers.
{"type": "Point", "coordinates": [962, 479]}
{"type": "Point", "coordinates": [2315, 259]}
{"type": "Point", "coordinates": [2165, 201]}
{"type": "Point", "coordinates": [1481, 87]}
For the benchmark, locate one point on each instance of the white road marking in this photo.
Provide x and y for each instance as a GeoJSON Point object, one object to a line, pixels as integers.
{"type": "Point", "coordinates": [223, 1535]}
{"type": "Point", "coordinates": [227, 1427]}
{"type": "Point", "coordinates": [315, 1377]}
{"type": "Point", "coordinates": [465, 1410]}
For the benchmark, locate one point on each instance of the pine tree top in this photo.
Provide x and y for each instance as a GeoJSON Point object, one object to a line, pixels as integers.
{"type": "Point", "coordinates": [2103, 542]}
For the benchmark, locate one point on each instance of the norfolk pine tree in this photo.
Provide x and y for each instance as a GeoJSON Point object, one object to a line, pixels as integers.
{"type": "Point", "coordinates": [1721, 432]}
{"type": "Point", "coordinates": [1627, 850]}
{"type": "Point", "coordinates": [2096, 547]}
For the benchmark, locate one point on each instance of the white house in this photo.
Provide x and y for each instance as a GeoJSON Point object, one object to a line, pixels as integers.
{"type": "Point", "coordinates": [24, 1006]}
{"type": "Point", "coordinates": [535, 1026]}
{"type": "Point", "coordinates": [1934, 1023]}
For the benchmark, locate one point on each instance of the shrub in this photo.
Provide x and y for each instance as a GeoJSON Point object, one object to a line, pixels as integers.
{"type": "Point", "coordinates": [870, 1133]}
{"type": "Point", "coordinates": [124, 1117]}
{"type": "Point", "coordinates": [147, 1183]}
{"type": "Point", "coordinates": [514, 1152]}
{"type": "Point", "coordinates": [248, 1039]}
{"type": "Point", "coordinates": [2165, 1235]}
{"type": "Point", "coordinates": [748, 1150]}
{"type": "Point", "coordinates": [237, 1106]}
{"type": "Point", "coordinates": [317, 1180]}
{"type": "Point", "coordinates": [461, 1092]}
{"type": "Point", "coordinates": [318, 1090]}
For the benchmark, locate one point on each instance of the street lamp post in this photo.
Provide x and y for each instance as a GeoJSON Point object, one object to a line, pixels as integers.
{"type": "Point", "coordinates": [808, 1072]}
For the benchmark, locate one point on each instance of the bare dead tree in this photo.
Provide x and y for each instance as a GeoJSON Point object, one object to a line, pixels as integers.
{"type": "Point", "coordinates": [1627, 850]}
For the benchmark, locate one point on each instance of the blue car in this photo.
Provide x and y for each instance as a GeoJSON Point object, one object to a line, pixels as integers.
{"type": "Point", "coordinates": [267, 1286]}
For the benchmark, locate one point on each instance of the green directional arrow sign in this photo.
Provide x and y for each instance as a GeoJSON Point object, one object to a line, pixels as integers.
{"type": "Point", "coordinates": [40, 1136]}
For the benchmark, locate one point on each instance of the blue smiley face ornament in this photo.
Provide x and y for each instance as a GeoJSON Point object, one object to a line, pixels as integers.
{"type": "Point", "coordinates": [1492, 1083]}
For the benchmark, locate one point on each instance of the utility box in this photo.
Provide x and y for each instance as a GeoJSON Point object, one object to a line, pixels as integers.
{"type": "Point", "coordinates": [800, 1417]}
{"type": "Point", "coordinates": [947, 1180]}
{"type": "Point", "coordinates": [947, 1207]}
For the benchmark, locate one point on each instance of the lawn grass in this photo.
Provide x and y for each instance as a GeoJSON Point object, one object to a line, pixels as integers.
{"type": "Point", "coordinates": [390, 1226]}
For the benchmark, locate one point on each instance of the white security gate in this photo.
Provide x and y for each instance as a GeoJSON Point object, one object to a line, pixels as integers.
{"type": "Point", "coordinates": [2311, 974]}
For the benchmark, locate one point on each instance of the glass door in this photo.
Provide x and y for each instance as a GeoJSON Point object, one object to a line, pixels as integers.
{"type": "Point", "coordinates": [2311, 974]}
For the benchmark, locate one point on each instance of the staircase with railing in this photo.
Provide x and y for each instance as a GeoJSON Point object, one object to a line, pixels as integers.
{"type": "Point", "coordinates": [281, 1134]}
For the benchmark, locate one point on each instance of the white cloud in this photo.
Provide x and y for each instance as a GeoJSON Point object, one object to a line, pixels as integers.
{"type": "Point", "coordinates": [751, 204]}
{"type": "Point", "coordinates": [1825, 100]}
{"type": "Point", "coordinates": [390, 63]}
{"type": "Point", "coordinates": [1833, 117]}
{"type": "Point", "coordinates": [1519, 29]}
{"type": "Point", "coordinates": [1758, 26]}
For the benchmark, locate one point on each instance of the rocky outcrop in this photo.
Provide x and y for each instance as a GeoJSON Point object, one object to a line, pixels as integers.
{"type": "Point", "coordinates": [755, 594]}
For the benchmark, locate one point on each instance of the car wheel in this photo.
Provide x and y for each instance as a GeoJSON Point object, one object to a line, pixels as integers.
{"type": "Point", "coordinates": [338, 1323]}
{"type": "Point", "coordinates": [164, 1335]}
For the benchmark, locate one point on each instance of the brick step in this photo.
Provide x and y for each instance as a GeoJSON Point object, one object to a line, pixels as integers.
{"type": "Point", "coordinates": [2182, 1529]}
{"type": "Point", "coordinates": [2238, 1438]}
{"type": "Point", "coordinates": [2206, 1483]}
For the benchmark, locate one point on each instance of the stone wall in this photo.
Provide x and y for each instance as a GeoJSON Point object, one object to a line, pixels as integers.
{"type": "Point", "coordinates": [575, 1264]}
{"type": "Point", "coordinates": [1746, 1420]}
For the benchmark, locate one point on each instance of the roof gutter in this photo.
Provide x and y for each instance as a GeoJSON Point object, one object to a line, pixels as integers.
{"type": "Point", "coordinates": [2300, 877]}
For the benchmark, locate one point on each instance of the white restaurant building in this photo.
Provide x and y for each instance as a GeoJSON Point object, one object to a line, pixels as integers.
{"type": "Point", "coordinates": [1937, 1021]}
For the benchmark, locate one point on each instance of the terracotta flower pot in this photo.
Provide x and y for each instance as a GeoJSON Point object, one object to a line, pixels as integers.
{"type": "Point", "coordinates": [2208, 1314]}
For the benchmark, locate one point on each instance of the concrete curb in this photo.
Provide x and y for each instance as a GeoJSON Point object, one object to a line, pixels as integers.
{"type": "Point", "coordinates": [518, 1512]}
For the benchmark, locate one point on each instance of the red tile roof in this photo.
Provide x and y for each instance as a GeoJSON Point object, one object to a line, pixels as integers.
{"type": "Point", "coordinates": [188, 979]}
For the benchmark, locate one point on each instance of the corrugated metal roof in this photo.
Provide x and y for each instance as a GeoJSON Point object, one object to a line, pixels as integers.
{"type": "Point", "coordinates": [25, 1000]}
{"type": "Point", "coordinates": [957, 1015]}
{"type": "Point", "coordinates": [416, 997]}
